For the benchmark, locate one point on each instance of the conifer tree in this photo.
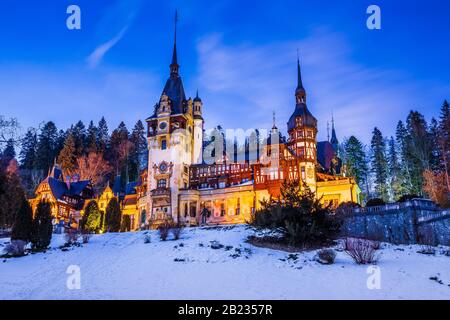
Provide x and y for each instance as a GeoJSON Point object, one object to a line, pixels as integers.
{"type": "Point", "coordinates": [27, 153]}
{"type": "Point", "coordinates": [60, 140]}
{"type": "Point", "coordinates": [138, 158]}
{"type": "Point", "coordinates": [67, 157]}
{"type": "Point", "coordinates": [8, 153]}
{"type": "Point", "coordinates": [46, 151]}
{"type": "Point", "coordinates": [379, 164]}
{"type": "Point", "coordinates": [91, 221]}
{"type": "Point", "coordinates": [419, 150]}
{"type": "Point", "coordinates": [41, 234]}
{"type": "Point", "coordinates": [355, 160]}
{"type": "Point", "coordinates": [11, 197]}
{"type": "Point", "coordinates": [79, 134]}
{"type": "Point", "coordinates": [444, 141]}
{"type": "Point", "coordinates": [394, 170]}
{"type": "Point", "coordinates": [23, 222]}
{"type": "Point", "coordinates": [102, 136]}
{"type": "Point", "coordinates": [403, 145]}
{"type": "Point", "coordinates": [113, 216]}
{"type": "Point", "coordinates": [92, 136]}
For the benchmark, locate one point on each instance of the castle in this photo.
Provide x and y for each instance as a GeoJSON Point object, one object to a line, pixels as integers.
{"type": "Point", "coordinates": [179, 184]}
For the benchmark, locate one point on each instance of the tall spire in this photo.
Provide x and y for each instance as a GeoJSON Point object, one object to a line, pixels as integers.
{"type": "Point", "coordinates": [174, 64]}
{"type": "Point", "coordinates": [334, 140]}
{"type": "Point", "coordinates": [274, 121]}
{"type": "Point", "coordinates": [300, 92]}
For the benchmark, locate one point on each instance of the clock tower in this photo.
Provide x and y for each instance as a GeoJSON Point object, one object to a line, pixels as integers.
{"type": "Point", "coordinates": [302, 130]}
{"type": "Point", "coordinates": [175, 135]}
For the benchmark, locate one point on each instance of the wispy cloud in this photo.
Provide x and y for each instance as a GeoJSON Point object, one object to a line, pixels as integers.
{"type": "Point", "coordinates": [254, 80]}
{"type": "Point", "coordinates": [97, 55]}
{"type": "Point", "coordinates": [113, 26]}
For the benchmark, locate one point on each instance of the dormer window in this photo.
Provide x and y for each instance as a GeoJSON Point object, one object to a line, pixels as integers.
{"type": "Point", "coordinates": [298, 121]}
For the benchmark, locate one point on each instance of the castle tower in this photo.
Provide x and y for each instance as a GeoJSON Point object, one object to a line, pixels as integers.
{"type": "Point", "coordinates": [302, 130]}
{"type": "Point", "coordinates": [172, 138]}
{"type": "Point", "coordinates": [198, 130]}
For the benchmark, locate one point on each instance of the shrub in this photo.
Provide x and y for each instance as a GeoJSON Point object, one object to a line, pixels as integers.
{"type": "Point", "coordinates": [326, 256]}
{"type": "Point", "coordinates": [361, 251]}
{"type": "Point", "coordinates": [375, 202]}
{"type": "Point", "coordinates": [71, 236]}
{"type": "Point", "coordinates": [299, 215]}
{"type": "Point", "coordinates": [164, 230]}
{"type": "Point", "coordinates": [427, 240]}
{"type": "Point", "coordinates": [86, 237]}
{"type": "Point", "coordinates": [16, 248]}
{"type": "Point", "coordinates": [176, 231]}
{"type": "Point", "coordinates": [126, 223]}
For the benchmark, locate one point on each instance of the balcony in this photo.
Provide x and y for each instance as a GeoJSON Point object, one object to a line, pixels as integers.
{"type": "Point", "coordinates": [160, 192]}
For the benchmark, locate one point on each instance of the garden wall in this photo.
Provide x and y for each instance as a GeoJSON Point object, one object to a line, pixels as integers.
{"type": "Point", "coordinates": [416, 221]}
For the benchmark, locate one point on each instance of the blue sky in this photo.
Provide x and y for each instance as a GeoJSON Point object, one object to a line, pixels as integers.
{"type": "Point", "coordinates": [240, 55]}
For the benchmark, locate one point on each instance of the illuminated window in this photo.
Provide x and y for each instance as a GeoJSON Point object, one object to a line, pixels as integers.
{"type": "Point", "coordinates": [222, 209]}
{"type": "Point", "coordinates": [162, 183]}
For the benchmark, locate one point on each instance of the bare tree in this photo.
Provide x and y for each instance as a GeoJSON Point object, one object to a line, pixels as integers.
{"type": "Point", "coordinates": [9, 129]}
{"type": "Point", "coordinates": [93, 167]}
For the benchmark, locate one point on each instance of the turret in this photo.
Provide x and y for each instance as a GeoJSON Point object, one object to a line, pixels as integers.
{"type": "Point", "coordinates": [302, 130]}
{"type": "Point", "coordinates": [198, 131]}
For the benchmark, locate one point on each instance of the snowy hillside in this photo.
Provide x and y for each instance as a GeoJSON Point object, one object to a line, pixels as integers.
{"type": "Point", "coordinates": [122, 266]}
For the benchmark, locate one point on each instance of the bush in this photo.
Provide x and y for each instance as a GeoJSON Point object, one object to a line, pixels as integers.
{"type": "Point", "coordinates": [375, 202]}
{"type": "Point", "coordinates": [126, 223]}
{"type": "Point", "coordinates": [16, 248]}
{"type": "Point", "coordinates": [299, 215]}
{"type": "Point", "coordinates": [326, 256]}
{"type": "Point", "coordinates": [71, 236]}
{"type": "Point", "coordinates": [361, 251]}
{"type": "Point", "coordinates": [176, 231]}
{"type": "Point", "coordinates": [86, 237]}
{"type": "Point", "coordinates": [164, 230]}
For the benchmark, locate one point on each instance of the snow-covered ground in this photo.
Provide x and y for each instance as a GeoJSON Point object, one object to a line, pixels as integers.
{"type": "Point", "coordinates": [122, 266]}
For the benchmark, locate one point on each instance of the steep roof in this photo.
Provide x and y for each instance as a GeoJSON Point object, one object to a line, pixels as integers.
{"type": "Point", "coordinates": [60, 188]}
{"type": "Point", "coordinates": [301, 110]}
{"type": "Point", "coordinates": [325, 154]}
{"type": "Point", "coordinates": [175, 91]}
